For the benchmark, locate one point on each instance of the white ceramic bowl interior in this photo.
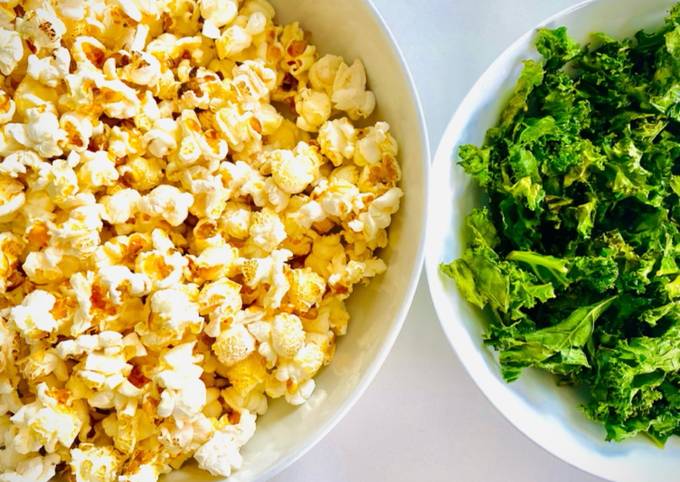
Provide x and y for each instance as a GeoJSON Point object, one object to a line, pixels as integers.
{"type": "Point", "coordinates": [548, 414]}
{"type": "Point", "coordinates": [352, 28]}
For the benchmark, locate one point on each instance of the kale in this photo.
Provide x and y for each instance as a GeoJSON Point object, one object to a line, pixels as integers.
{"type": "Point", "coordinates": [576, 256]}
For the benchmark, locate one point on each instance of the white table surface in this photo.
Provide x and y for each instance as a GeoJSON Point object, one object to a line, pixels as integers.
{"type": "Point", "coordinates": [423, 419]}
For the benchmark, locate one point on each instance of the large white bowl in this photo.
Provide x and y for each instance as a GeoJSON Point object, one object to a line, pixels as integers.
{"type": "Point", "coordinates": [354, 29]}
{"type": "Point", "coordinates": [535, 405]}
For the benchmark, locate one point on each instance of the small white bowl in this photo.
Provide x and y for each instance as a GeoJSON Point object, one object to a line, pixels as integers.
{"type": "Point", "coordinates": [548, 414]}
{"type": "Point", "coordinates": [353, 29]}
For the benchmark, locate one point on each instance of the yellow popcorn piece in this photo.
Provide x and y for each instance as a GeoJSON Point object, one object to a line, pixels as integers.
{"type": "Point", "coordinates": [220, 455]}
{"type": "Point", "coordinates": [235, 219]}
{"type": "Point", "coordinates": [306, 289]}
{"type": "Point", "coordinates": [11, 52]}
{"type": "Point", "coordinates": [337, 140]}
{"type": "Point", "coordinates": [121, 206]}
{"type": "Point", "coordinates": [171, 315]}
{"type": "Point", "coordinates": [41, 132]}
{"type": "Point", "coordinates": [167, 202]}
{"type": "Point", "coordinates": [141, 173]}
{"type": "Point", "coordinates": [185, 394]}
{"type": "Point", "coordinates": [322, 74]}
{"type": "Point", "coordinates": [220, 301]}
{"type": "Point", "coordinates": [97, 170]}
{"type": "Point", "coordinates": [266, 230]}
{"type": "Point", "coordinates": [33, 317]}
{"type": "Point", "coordinates": [35, 469]}
{"type": "Point", "coordinates": [269, 271]}
{"type": "Point", "coordinates": [293, 171]}
{"type": "Point", "coordinates": [42, 26]}
{"type": "Point", "coordinates": [287, 334]}
{"type": "Point", "coordinates": [379, 214]}
{"type": "Point", "coordinates": [217, 14]}
{"type": "Point", "coordinates": [213, 263]}
{"type": "Point", "coordinates": [11, 248]}
{"type": "Point", "coordinates": [248, 375]}
{"type": "Point", "coordinates": [349, 91]}
{"type": "Point", "coordinates": [7, 107]}
{"type": "Point", "coordinates": [45, 423]}
{"type": "Point", "coordinates": [91, 463]}
{"type": "Point", "coordinates": [313, 108]}
{"type": "Point", "coordinates": [49, 70]}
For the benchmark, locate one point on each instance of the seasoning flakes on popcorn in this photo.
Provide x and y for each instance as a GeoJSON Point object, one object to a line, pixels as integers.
{"type": "Point", "coordinates": [187, 199]}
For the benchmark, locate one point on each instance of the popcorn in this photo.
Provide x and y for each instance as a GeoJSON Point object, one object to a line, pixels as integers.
{"type": "Point", "coordinates": [176, 249]}
{"type": "Point", "coordinates": [306, 289]}
{"type": "Point", "coordinates": [79, 233]}
{"type": "Point", "coordinates": [12, 197]}
{"type": "Point", "coordinates": [72, 9]}
{"type": "Point", "coordinates": [299, 56]}
{"type": "Point", "coordinates": [337, 139]}
{"type": "Point", "coordinates": [36, 469]}
{"type": "Point", "coordinates": [7, 107]}
{"type": "Point", "coordinates": [220, 301]}
{"type": "Point", "coordinates": [117, 99]}
{"type": "Point", "coordinates": [248, 379]}
{"type": "Point", "coordinates": [217, 14]}
{"type": "Point", "coordinates": [42, 26]}
{"type": "Point", "coordinates": [220, 455]}
{"type": "Point", "coordinates": [91, 463]}
{"type": "Point", "coordinates": [97, 170]}
{"type": "Point", "coordinates": [213, 263]}
{"type": "Point", "coordinates": [49, 70]}
{"type": "Point", "coordinates": [172, 314]}
{"type": "Point", "coordinates": [32, 318]}
{"type": "Point", "coordinates": [235, 219]}
{"type": "Point", "coordinates": [266, 230]}
{"type": "Point", "coordinates": [253, 81]}
{"type": "Point", "coordinates": [43, 267]}
{"type": "Point", "coordinates": [268, 271]}
{"type": "Point", "coordinates": [11, 52]}
{"type": "Point", "coordinates": [45, 423]}
{"type": "Point", "coordinates": [294, 170]}
{"type": "Point", "coordinates": [11, 248]}
{"type": "Point", "coordinates": [324, 71]}
{"type": "Point", "coordinates": [143, 69]}
{"type": "Point", "coordinates": [167, 202]}
{"type": "Point", "coordinates": [233, 41]}
{"type": "Point", "coordinates": [141, 173]}
{"type": "Point", "coordinates": [78, 130]}
{"type": "Point", "coordinates": [119, 279]}
{"type": "Point", "coordinates": [41, 132]}
{"type": "Point", "coordinates": [287, 335]}
{"type": "Point", "coordinates": [82, 289]}
{"type": "Point", "coordinates": [313, 108]}
{"type": "Point", "coordinates": [185, 393]}
{"type": "Point", "coordinates": [121, 206]}
{"type": "Point", "coordinates": [62, 182]}
{"type": "Point", "coordinates": [162, 266]}
{"type": "Point", "coordinates": [234, 345]}
{"type": "Point", "coordinates": [375, 145]}
{"type": "Point", "coordinates": [379, 214]}
{"type": "Point", "coordinates": [236, 127]}
{"type": "Point", "coordinates": [31, 94]}
{"type": "Point", "coordinates": [349, 91]}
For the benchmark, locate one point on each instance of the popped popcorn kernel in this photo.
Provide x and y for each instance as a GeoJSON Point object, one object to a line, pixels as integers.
{"type": "Point", "coordinates": [187, 200]}
{"type": "Point", "coordinates": [287, 334]}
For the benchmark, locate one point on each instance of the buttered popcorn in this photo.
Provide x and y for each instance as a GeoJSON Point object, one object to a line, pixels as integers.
{"type": "Point", "coordinates": [189, 193]}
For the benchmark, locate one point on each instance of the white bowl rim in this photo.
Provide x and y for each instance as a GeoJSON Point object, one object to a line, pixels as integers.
{"type": "Point", "coordinates": [443, 154]}
{"type": "Point", "coordinates": [413, 281]}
